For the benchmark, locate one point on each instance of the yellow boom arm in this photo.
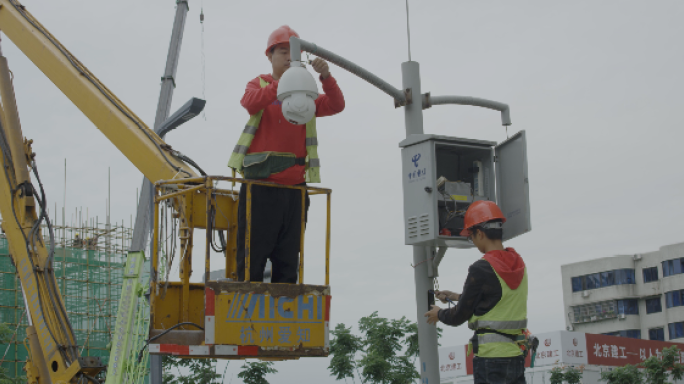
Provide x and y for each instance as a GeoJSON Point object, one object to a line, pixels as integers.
{"type": "Point", "coordinates": [121, 126]}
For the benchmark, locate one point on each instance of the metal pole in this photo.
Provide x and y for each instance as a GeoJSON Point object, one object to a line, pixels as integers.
{"type": "Point", "coordinates": [169, 81]}
{"type": "Point", "coordinates": [427, 334]}
{"type": "Point", "coordinates": [143, 222]}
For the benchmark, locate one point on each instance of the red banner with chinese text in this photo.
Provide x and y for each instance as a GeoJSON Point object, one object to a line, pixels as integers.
{"type": "Point", "coordinates": [619, 351]}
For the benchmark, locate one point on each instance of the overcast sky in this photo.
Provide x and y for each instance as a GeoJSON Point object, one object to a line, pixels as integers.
{"type": "Point", "coordinates": [596, 85]}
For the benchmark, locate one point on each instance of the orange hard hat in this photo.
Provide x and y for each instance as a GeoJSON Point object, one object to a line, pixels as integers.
{"type": "Point", "coordinates": [279, 36]}
{"type": "Point", "coordinates": [480, 212]}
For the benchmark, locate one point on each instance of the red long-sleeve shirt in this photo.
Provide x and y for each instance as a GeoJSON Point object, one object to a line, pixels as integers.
{"type": "Point", "coordinates": [275, 133]}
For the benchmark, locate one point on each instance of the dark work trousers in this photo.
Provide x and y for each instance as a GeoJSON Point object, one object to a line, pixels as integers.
{"type": "Point", "coordinates": [499, 370]}
{"type": "Point", "coordinates": [275, 235]}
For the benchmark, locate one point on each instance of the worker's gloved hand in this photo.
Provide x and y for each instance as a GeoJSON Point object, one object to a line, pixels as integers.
{"type": "Point", "coordinates": [444, 295]}
{"type": "Point", "coordinates": [321, 66]}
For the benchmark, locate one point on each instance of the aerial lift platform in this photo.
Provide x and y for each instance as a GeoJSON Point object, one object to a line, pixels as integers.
{"type": "Point", "coordinates": [227, 318]}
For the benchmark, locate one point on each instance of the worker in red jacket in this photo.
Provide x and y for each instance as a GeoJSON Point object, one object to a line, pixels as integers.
{"type": "Point", "coordinates": [274, 150]}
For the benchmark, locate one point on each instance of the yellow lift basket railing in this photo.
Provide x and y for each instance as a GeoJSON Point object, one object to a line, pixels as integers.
{"type": "Point", "coordinates": [220, 318]}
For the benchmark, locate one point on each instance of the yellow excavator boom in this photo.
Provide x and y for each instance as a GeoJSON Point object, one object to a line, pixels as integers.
{"type": "Point", "coordinates": [115, 120]}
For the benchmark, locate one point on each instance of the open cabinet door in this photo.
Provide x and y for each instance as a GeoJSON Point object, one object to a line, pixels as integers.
{"type": "Point", "coordinates": [512, 185]}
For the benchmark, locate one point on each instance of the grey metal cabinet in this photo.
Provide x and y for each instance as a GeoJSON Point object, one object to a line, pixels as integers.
{"type": "Point", "coordinates": [443, 175]}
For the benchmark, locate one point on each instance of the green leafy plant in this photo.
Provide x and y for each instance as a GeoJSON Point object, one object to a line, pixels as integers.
{"type": "Point", "coordinates": [380, 348]}
{"type": "Point", "coordinates": [657, 369]}
{"type": "Point", "coordinates": [343, 349]}
{"type": "Point", "coordinates": [629, 374]}
{"type": "Point", "coordinates": [254, 373]}
{"type": "Point", "coordinates": [570, 375]}
{"type": "Point", "coordinates": [556, 375]}
{"type": "Point", "coordinates": [200, 371]}
{"type": "Point", "coordinates": [573, 375]}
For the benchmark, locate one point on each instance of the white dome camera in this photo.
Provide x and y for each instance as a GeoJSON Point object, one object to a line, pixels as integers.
{"type": "Point", "coordinates": [297, 90]}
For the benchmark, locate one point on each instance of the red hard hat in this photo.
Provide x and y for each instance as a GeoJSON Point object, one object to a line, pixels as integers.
{"type": "Point", "coordinates": [279, 36]}
{"type": "Point", "coordinates": [481, 212]}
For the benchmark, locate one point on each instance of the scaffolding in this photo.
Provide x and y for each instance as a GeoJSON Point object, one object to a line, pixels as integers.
{"type": "Point", "coordinates": [88, 263]}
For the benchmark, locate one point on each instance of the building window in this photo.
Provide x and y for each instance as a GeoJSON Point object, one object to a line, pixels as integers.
{"type": "Point", "coordinates": [656, 334]}
{"type": "Point", "coordinates": [654, 306]}
{"type": "Point", "coordinates": [607, 279]}
{"type": "Point", "coordinates": [674, 298]}
{"type": "Point", "coordinates": [602, 310]}
{"type": "Point", "coordinates": [673, 267]}
{"type": "Point", "coordinates": [624, 276]}
{"type": "Point", "coordinates": [628, 307]}
{"type": "Point", "coordinates": [593, 281]}
{"type": "Point", "coordinates": [603, 279]}
{"type": "Point", "coordinates": [631, 333]}
{"type": "Point", "coordinates": [577, 284]}
{"type": "Point", "coordinates": [650, 274]}
{"type": "Point", "coordinates": [676, 330]}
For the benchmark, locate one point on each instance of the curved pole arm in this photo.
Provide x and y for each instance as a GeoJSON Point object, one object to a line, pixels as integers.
{"type": "Point", "coordinates": [429, 101]}
{"type": "Point", "coordinates": [297, 45]}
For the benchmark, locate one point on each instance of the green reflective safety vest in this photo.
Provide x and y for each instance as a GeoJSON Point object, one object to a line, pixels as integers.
{"type": "Point", "coordinates": [313, 163]}
{"type": "Point", "coordinates": [508, 316]}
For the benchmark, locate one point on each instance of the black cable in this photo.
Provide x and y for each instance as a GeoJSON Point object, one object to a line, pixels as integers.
{"type": "Point", "coordinates": [28, 252]}
{"type": "Point", "coordinates": [96, 85]}
{"type": "Point", "coordinates": [162, 334]}
{"type": "Point", "coordinates": [5, 149]}
{"type": "Point", "coordinates": [48, 275]}
{"type": "Point", "coordinates": [222, 239]}
{"type": "Point", "coordinates": [90, 378]}
{"type": "Point", "coordinates": [191, 162]}
{"type": "Point", "coordinates": [215, 247]}
{"type": "Point", "coordinates": [45, 275]}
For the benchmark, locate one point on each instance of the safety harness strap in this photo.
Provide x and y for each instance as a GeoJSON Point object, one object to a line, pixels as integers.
{"type": "Point", "coordinates": [491, 324]}
{"type": "Point", "coordinates": [486, 336]}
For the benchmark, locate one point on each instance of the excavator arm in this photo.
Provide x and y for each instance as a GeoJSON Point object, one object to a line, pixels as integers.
{"type": "Point", "coordinates": [115, 120]}
{"type": "Point", "coordinates": [54, 351]}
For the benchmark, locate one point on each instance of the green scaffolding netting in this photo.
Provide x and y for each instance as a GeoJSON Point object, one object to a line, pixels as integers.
{"type": "Point", "coordinates": [90, 284]}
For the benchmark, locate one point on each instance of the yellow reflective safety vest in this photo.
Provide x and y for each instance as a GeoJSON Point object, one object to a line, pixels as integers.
{"type": "Point", "coordinates": [509, 317]}
{"type": "Point", "coordinates": [313, 163]}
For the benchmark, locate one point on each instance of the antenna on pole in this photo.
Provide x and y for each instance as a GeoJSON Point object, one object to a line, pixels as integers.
{"type": "Point", "coordinates": [408, 30]}
{"type": "Point", "coordinates": [204, 114]}
{"type": "Point", "coordinates": [65, 174]}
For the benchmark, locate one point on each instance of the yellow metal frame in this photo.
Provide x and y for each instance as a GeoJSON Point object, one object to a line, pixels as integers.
{"type": "Point", "coordinates": [183, 189]}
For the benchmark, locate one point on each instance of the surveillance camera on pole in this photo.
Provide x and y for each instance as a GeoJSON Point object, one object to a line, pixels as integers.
{"type": "Point", "coordinates": [297, 91]}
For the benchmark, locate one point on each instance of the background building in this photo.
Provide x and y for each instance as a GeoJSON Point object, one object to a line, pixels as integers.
{"type": "Point", "coordinates": [638, 296]}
